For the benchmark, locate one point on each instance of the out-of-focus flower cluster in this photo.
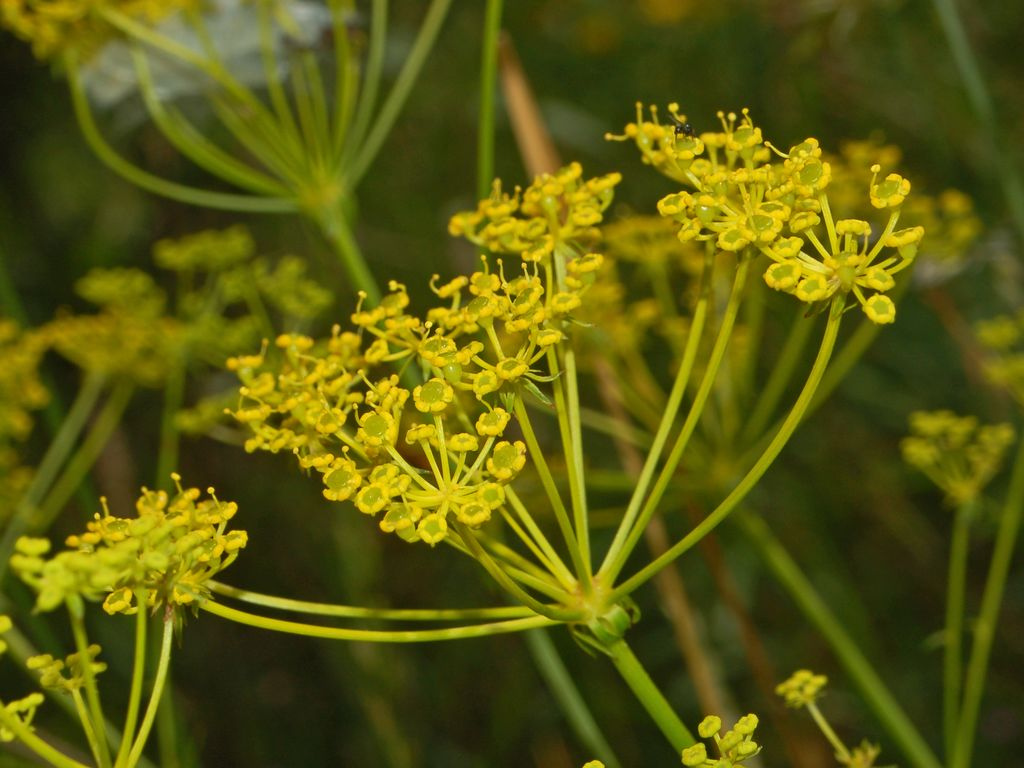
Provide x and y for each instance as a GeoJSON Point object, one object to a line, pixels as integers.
{"type": "Point", "coordinates": [558, 207]}
{"type": "Point", "coordinates": [949, 218]}
{"type": "Point", "coordinates": [21, 711]}
{"type": "Point", "coordinates": [21, 392]}
{"type": "Point", "coordinates": [803, 687]}
{"type": "Point", "coordinates": [955, 452]}
{"type": "Point", "coordinates": [424, 456]}
{"type": "Point", "coordinates": [55, 26]}
{"type": "Point", "coordinates": [1004, 365]}
{"type": "Point", "coordinates": [741, 200]}
{"type": "Point", "coordinates": [734, 747]}
{"type": "Point", "coordinates": [164, 556]}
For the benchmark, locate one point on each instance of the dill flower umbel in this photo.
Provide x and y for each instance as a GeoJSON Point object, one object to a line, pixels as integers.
{"type": "Point", "coordinates": [163, 556]}
{"type": "Point", "coordinates": [743, 202]}
{"type": "Point", "coordinates": [430, 455]}
{"type": "Point", "coordinates": [955, 452]}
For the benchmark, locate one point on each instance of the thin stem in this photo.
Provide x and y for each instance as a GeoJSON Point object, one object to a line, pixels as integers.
{"type": "Point", "coordinates": [138, 673]}
{"type": "Point", "coordinates": [554, 562]}
{"type": "Point", "coordinates": [155, 184]}
{"type": "Point", "coordinates": [782, 373]}
{"type": "Point", "coordinates": [174, 395]}
{"type": "Point", "coordinates": [953, 655]}
{"type": "Point", "coordinates": [988, 617]}
{"type": "Point", "coordinates": [707, 383]}
{"type": "Point", "coordinates": [860, 670]}
{"type": "Point", "coordinates": [505, 580]}
{"type": "Point", "coordinates": [842, 753]}
{"type": "Point", "coordinates": [488, 88]}
{"type": "Point", "coordinates": [371, 80]}
{"type": "Point", "coordinates": [85, 457]}
{"type": "Point", "coordinates": [192, 144]}
{"type": "Point", "coordinates": [562, 362]}
{"type": "Point", "coordinates": [336, 229]}
{"type": "Point", "coordinates": [981, 101]}
{"type": "Point", "coordinates": [27, 736]}
{"type": "Point", "coordinates": [359, 612]}
{"type": "Point", "coordinates": [399, 91]}
{"type": "Point", "coordinates": [157, 692]}
{"type": "Point", "coordinates": [648, 695]}
{"type": "Point", "coordinates": [668, 418]}
{"type": "Point", "coordinates": [547, 480]}
{"type": "Point", "coordinates": [563, 688]}
{"type": "Point", "coordinates": [760, 466]}
{"type": "Point", "coordinates": [55, 456]}
{"type": "Point", "coordinates": [95, 720]}
{"type": "Point", "coordinates": [374, 635]}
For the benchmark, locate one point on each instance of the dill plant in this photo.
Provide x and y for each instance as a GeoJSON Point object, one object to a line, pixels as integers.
{"type": "Point", "coordinates": [426, 420]}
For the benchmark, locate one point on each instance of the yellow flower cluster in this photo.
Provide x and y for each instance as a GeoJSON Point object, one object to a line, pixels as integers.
{"type": "Point", "coordinates": [802, 688]}
{"type": "Point", "coordinates": [21, 392]}
{"type": "Point", "coordinates": [130, 337]}
{"type": "Point", "coordinates": [529, 223]}
{"type": "Point", "coordinates": [955, 452]}
{"type": "Point", "coordinates": [734, 747]}
{"type": "Point", "coordinates": [68, 674]}
{"type": "Point", "coordinates": [55, 26]}
{"type": "Point", "coordinates": [20, 711]}
{"type": "Point", "coordinates": [429, 455]}
{"type": "Point", "coordinates": [744, 203]}
{"type": "Point", "coordinates": [163, 556]}
{"type": "Point", "coordinates": [1002, 336]}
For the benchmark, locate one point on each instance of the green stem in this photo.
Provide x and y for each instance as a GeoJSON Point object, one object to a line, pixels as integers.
{"type": "Point", "coordinates": [138, 674]}
{"type": "Point", "coordinates": [988, 618]}
{"type": "Point", "coordinates": [648, 695]}
{"type": "Point", "coordinates": [96, 731]}
{"type": "Point", "coordinates": [564, 689]}
{"type": "Point", "coordinates": [359, 612]}
{"type": "Point", "coordinates": [367, 101]}
{"type": "Point", "coordinates": [860, 670]}
{"type": "Point", "coordinates": [192, 144]}
{"type": "Point", "coordinates": [842, 753]}
{"type": "Point", "coordinates": [668, 418]}
{"type": "Point", "coordinates": [155, 184]}
{"type": "Point", "coordinates": [782, 373]}
{"type": "Point", "coordinates": [85, 457]}
{"type": "Point", "coordinates": [399, 91]}
{"type": "Point", "coordinates": [981, 102]}
{"type": "Point", "coordinates": [62, 445]}
{"type": "Point", "coordinates": [505, 580]}
{"type": "Point", "coordinates": [757, 470]}
{"type": "Point", "coordinates": [375, 635]}
{"type": "Point", "coordinates": [547, 480]}
{"type": "Point", "coordinates": [953, 656]}
{"type": "Point", "coordinates": [174, 395]}
{"type": "Point", "coordinates": [156, 694]}
{"type": "Point", "coordinates": [707, 383]}
{"type": "Point", "coordinates": [488, 88]}
{"type": "Point", "coordinates": [336, 229]}
{"type": "Point", "coordinates": [26, 736]}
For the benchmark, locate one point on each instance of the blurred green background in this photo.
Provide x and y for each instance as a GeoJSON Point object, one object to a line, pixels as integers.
{"type": "Point", "coordinates": [872, 535]}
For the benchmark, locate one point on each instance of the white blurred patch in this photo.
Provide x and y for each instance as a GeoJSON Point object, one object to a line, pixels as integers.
{"type": "Point", "coordinates": [233, 27]}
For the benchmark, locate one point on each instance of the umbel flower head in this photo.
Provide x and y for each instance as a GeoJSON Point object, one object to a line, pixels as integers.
{"type": "Point", "coordinates": [743, 202]}
{"type": "Point", "coordinates": [422, 457]}
{"type": "Point", "coordinates": [802, 688]}
{"type": "Point", "coordinates": [955, 452]}
{"type": "Point", "coordinates": [164, 555]}
{"type": "Point", "coordinates": [556, 208]}
{"type": "Point", "coordinates": [1004, 365]}
{"type": "Point", "coordinates": [734, 747]}
{"type": "Point", "coordinates": [53, 26]}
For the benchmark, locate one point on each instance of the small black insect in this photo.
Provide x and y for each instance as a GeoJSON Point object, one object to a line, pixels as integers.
{"type": "Point", "coordinates": [682, 129]}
